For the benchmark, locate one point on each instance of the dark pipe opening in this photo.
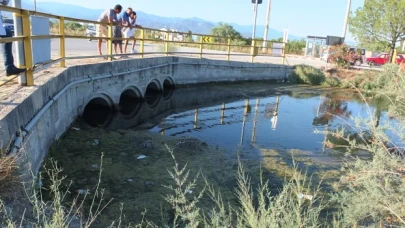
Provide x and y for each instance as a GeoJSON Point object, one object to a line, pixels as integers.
{"type": "Point", "coordinates": [97, 112]}
{"type": "Point", "coordinates": [130, 102]}
{"type": "Point", "coordinates": [168, 88]}
{"type": "Point", "coordinates": [153, 94]}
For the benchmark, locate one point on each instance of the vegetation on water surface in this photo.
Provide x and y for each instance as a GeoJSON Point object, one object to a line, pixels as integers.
{"type": "Point", "coordinates": [305, 74]}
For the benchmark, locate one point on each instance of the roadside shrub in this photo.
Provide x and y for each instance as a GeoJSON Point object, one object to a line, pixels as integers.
{"type": "Point", "coordinates": [332, 82]}
{"type": "Point", "coordinates": [341, 56]}
{"type": "Point", "coordinates": [346, 84]}
{"type": "Point", "coordinates": [304, 74]}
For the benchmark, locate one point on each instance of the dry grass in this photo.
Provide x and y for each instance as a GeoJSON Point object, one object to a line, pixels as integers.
{"type": "Point", "coordinates": [7, 165]}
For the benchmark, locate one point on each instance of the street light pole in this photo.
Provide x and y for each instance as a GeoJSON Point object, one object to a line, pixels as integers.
{"type": "Point", "coordinates": [349, 2]}
{"type": "Point", "coordinates": [255, 19]}
{"type": "Point", "coordinates": [266, 29]}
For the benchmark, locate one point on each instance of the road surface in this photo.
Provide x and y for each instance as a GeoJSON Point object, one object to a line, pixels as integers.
{"type": "Point", "coordinates": [84, 47]}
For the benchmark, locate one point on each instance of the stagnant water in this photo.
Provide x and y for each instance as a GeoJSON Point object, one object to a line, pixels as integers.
{"type": "Point", "coordinates": [208, 128]}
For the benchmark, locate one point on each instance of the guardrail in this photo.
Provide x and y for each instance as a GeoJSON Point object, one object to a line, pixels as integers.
{"type": "Point", "coordinates": [225, 44]}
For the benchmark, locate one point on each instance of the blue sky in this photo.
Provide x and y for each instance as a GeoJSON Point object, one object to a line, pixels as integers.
{"type": "Point", "coordinates": [301, 17]}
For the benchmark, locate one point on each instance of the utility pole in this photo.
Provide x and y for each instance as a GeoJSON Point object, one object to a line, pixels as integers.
{"type": "Point", "coordinates": [266, 29]}
{"type": "Point", "coordinates": [349, 2]}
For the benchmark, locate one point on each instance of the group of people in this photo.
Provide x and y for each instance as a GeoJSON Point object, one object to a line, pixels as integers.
{"type": "Point", "coordinates": [124, 27]}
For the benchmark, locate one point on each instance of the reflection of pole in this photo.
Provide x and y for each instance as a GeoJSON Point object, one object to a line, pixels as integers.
{"type": "Point", "coordinates": [319, 106]}
{"type": "Point", "coordinates": [325, 139]}
{"type": "Point", "coordinates": [378, 115]}
{"type": "Point", "coordinates": [223, 114]}
{"type": "Point", "coordinates": [255, 121]}
{"type": "Point", "coordinates": [195, 118]}
{"type": "Point", "coordinates": [163, 129]}
{"type": "Point", "coordinates": [244, 121]}
{"type": "Point", "coordinates": [275, 115]}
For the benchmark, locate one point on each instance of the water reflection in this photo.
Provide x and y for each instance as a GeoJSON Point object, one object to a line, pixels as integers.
{"type": "Point", "coordinates": [274, 122]}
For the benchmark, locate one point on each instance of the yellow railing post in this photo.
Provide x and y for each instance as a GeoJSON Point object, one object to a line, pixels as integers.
{"type": "Point", "coordinates": [167, 44]}
{"type": "Point", "coordinates": [283, 53]}
{"type": "Point", "coordinates": [109, 42]}
{"type": "Point", "coordinates": [29, 74]}
{"type": "Point", "coordinates": [229, 48]}
{"type": "Point", "coordinates": [201, 46]}
{"type": "Point", "coordinates": [62, 53]}
{"type": "Point", "coordinates": [252, 58]}
{"type": "Point", "coordinates": [142, 41]}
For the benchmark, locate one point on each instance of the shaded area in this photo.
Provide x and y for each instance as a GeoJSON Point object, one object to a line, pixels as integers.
{"type": "Point", "coordinates": [153, 94]}
{"type": "Point", "coordinates": [130, 103]}
{"type": "Point", "coordinates": [168, 88]}
{"type": "Point", "coordinates": [97, 112]}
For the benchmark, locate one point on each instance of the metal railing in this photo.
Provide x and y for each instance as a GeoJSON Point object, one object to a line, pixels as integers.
{"type": "Point", "coordinates": [146, 35]}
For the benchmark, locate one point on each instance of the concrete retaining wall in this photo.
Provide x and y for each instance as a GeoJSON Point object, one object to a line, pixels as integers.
{"type": "Point", "coordinates": [63, 112]}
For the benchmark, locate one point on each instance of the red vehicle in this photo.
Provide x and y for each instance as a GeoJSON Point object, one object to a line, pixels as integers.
{"type": "Point", "coordinates": [382, 59]}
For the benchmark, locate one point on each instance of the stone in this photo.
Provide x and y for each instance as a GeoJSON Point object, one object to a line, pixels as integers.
{"type": "Point", "coordinates": [148, 144]}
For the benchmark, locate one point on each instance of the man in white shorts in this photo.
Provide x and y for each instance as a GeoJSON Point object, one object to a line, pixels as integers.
{"type": "Point", "coordinates": [108, 16]}
{"type": "Point", "coordinates": [129, 31]}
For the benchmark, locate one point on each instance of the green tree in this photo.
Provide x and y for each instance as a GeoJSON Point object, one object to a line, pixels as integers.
{"type": "Point", "coordinates": [379, 23]}
{"type": "Point", "coordinates": [225, 30]}
{"type": "Point", "coordinates": [189, 36]}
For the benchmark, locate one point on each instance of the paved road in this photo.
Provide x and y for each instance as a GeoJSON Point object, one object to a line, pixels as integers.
{"type": "Point", "coordinates": [82, 47]}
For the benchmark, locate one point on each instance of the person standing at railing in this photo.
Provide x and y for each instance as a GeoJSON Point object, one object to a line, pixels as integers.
{"type": "Point", "coordinates": [124, 20]}
{"type": "Point", "coordinates": [117, 33]}
{"type": "Point", "coordinates": [108, 16]}
{"type": "Point", "coordinates": [8, 58]}
{"type": "Point", "coordinates": [129, 31]}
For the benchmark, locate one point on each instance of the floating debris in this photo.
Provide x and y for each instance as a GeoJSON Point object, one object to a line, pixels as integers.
{"type": "Point", "coordinates": [148, 144]}
{"type": "Point", "coordinates": [94, 166]}
{"type": "Point", "coordinates": [96, 142]}
{"type": "Point", "coordinates": [75, 128]}
{"type": "Point", "coordinates": [141, 157]}
{"type": "Point", "coordinates": [303, 196]}
{"type": "Point", "coordinates": [82, 192]}
{"type": "Point", "coordinates": [130, 180]}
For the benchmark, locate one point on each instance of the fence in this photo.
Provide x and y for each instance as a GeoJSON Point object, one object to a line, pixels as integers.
{"type": "Point", "coordinates": [168, 41]}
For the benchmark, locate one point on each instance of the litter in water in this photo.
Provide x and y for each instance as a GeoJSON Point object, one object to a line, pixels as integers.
{"type": "Point", "coordinates": [303, 196]}
{"type": "Point", "coordinates": [141, 157]}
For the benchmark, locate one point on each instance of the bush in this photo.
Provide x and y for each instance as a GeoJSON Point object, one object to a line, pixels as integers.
{"type": "Point", "coordinates": [304, 74]}
{"type": "Point", "coordinates": [341, 56]}
{"type": "Point", "coordinates": [332, 81]}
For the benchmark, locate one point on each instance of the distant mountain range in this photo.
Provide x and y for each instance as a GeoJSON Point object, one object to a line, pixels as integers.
{"type": "Point", "coordinates": [194, 24]}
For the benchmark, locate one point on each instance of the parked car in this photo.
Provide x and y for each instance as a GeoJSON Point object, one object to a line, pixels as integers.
{"type": "Point", "coordinates": [9, 24]}
{"type": "Point", "coordinates": [382, 59]}
{"type": "Point", "coordinates": [91, 31]}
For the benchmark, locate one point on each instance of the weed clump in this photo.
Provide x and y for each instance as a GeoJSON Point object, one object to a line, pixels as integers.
{"type": "Point", "coordinates": [332, 82]}
{"type": "Point", "coordinates": [304, 74]}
